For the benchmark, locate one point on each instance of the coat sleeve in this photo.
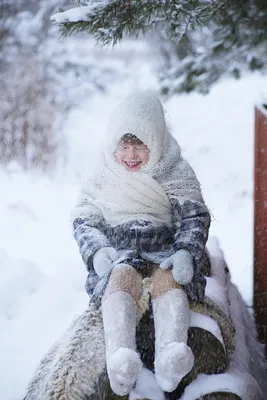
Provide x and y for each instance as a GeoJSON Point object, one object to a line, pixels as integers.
{"type": "Point", "coordinates": [191, 218]}
{"type": "Point", "coordinates": [88, 225]}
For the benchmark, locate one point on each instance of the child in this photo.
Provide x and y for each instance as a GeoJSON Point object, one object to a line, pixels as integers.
{"type": "Point", "coordinates": [141, 213]}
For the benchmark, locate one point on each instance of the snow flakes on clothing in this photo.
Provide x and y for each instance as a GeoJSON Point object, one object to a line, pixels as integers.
{"type": "Point", "coordinates": [158, 208]}
{"type": "Point", "coordinates": [121, 196]}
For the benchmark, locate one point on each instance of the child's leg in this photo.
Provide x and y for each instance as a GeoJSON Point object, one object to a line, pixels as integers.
{"type": "Point", "coordinates": [173, 358]}
{"type": "Point", "coordinates": [119, 320]}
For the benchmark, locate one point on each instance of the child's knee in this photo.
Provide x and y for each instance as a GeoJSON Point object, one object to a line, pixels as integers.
{"type": "Point", "coordinates": [162, 282]}
{"type": "Point", "coordinates": [124, 278]}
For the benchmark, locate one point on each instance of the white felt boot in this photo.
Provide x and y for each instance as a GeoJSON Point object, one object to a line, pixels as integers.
{"type": "Point", "coordinates": [173, 358]}
{"type": "Point", "coordinates": [123, 363]}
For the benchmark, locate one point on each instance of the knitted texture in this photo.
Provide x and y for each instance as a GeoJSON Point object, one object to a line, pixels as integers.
{"type": "Point", "coordinates": [118, 195]}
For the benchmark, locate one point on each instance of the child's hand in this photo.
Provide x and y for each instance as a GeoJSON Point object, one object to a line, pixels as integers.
{"type": "Point", "coordinates": [182, 266]}
{"type": "Point", "coordinates": [103, 260]}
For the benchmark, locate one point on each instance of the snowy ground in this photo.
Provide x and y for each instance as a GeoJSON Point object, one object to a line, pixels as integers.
{"type": "Point", "coordinates": [41, 273]}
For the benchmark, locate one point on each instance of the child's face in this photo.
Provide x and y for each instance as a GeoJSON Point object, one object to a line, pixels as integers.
{"type": "Point", "coordinates": [132, 156]}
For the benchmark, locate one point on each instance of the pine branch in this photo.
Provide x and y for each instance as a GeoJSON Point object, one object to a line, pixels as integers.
{"type": "Point", "coordinates": [109, 21]}
{"type": "Point", "coordinates": [233, 34]}
{"type": "Point", "coordinates": [234, 43]}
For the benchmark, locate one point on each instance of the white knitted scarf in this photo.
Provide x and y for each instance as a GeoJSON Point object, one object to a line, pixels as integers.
{"type": "Point", "coordinates": [120, 195]}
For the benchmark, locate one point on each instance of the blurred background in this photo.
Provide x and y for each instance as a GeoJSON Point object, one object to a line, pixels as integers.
{"type": "Point", "coordinates": [57, 93]}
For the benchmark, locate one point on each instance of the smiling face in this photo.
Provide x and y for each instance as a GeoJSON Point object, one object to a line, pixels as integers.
{"type": "Point", "coordinates": [131, 153]}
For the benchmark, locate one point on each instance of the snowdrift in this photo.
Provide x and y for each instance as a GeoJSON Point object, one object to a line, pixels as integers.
{"type": "Point", "coordinates": [229, 361]}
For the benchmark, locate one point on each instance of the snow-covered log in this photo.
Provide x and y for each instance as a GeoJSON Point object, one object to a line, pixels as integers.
{"type": "Point", "coordinates": [228, 359]}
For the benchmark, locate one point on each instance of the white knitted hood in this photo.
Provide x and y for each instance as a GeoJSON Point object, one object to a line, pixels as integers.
{"type": "Point", "coordinates": [142, 115]}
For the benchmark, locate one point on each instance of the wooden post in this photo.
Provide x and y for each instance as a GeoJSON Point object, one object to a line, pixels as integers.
{"type": "Point", "coordinates": [260, 223]}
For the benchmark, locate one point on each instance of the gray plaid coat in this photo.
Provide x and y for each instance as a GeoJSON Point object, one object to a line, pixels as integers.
{"type": "Point", "coordinates": [145, 241]}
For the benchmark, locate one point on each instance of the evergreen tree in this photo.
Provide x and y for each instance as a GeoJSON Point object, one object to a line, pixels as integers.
{"type": "Point", "coordinates": [207, 39]}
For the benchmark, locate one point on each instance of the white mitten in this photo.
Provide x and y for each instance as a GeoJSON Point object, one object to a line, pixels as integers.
{"type": "Point", "coordinates": [182, 266]}
{"type": "Point", "coordinates": [103, 260]}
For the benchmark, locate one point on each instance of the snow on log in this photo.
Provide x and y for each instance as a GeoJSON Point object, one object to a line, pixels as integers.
{"type": "Point", "coordinates": [229, 362]}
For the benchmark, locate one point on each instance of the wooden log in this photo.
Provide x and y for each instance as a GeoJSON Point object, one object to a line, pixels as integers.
{"type": "Point", "coordinates": [103, 390]}
{"type": "Point", "coordinates": [221, 396]}
{"type": "Point", "coordinates": [210, 358]}
{"type": "Point", "coordinates": [75, 369]}
{"type": "Point", "coordinates": [210, 355]}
